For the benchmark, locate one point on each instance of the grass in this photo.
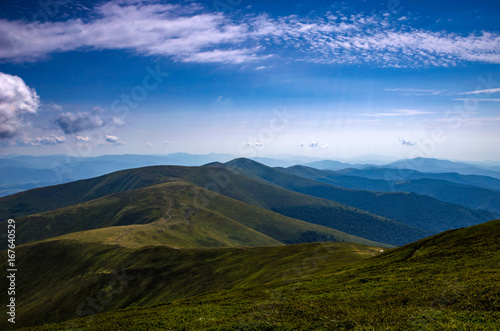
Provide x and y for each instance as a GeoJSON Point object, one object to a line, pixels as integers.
{"type": "Point", "coordinates": [59, 277]}
{"type": "Point", "coordinates": [446, 282]}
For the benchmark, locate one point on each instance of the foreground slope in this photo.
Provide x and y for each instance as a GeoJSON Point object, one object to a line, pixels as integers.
{"type": "Point", "coordinates": [63, 279]}
{"type": "Point", "coordinates": [448, 281]}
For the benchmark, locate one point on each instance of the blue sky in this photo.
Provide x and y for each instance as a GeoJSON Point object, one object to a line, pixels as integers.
{"type": "Point", "coordinates": [318, 78]}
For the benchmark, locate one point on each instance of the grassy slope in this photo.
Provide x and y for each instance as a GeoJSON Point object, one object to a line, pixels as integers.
{"type": "Point", "coordinates": [167, 214]}
{"type": "Point", "coordinates": [415, 210]}
{"type": "Point", "coordinates": [60, 279]}
{"type": "Point", "coordinates": [58, 196]}
{"type": "Point", "coordinates": [252, 191]}
{"type": "Point", "coordinates": [448, 281]}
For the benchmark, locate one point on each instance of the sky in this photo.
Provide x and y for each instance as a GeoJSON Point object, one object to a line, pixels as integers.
{"type": "Point", "coordinates": [328, 79]}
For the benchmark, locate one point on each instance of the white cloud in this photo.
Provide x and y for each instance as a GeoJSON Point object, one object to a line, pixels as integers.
{"type": "Point", "coordinates": [414, 91]}
{"type": "Point", "coordinates": [82, 139]}
{"type": "Point", "coordinates": [488, 91]}
{"type": "Point", "coordinates": [16, 99]}
{"type": "Point", "coordinates": [112, 139]}
{"type": "Point", "coordinates": [400, 112]}
{"type": "Point", "coordinates": [474, 99]}
{"type": "Point", "coordinates": [84, 121]}
{"type": "Point", "coordinates": [39, 141]}
{"type": "Point", "coordinates": [188, 33]}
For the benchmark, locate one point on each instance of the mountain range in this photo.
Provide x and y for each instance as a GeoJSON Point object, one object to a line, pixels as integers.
{"type": "Point", "coordinates": [245, 245]}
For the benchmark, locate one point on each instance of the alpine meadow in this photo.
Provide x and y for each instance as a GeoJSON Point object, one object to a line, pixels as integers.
{"type": "Point", "coordinates": [249, 165]}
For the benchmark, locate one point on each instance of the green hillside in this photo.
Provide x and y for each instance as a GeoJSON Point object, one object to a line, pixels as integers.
{"type": "Point", "coordinates": [167, 214]}
{"type": "Point", "coordinates": [63, 279]}
{"type": "Point", "coordinates": [210, 179]}
{"type": "Point", "coordinates": [449, 281]}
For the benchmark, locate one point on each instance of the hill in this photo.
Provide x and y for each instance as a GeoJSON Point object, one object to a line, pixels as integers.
{"type": "Point", "coordinates": [213, 180]}
{"type": "Point", "coordinates": [414, 210]}
{"type": "Point", "coordinates": [63, 279]}
{"type": "Point", "coordinates": [447, 281]}
{"type": "Point", "coordinates": [167, 214]}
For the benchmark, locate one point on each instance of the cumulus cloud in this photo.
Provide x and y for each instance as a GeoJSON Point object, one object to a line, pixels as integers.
{"type": "Point", "coordinates": [191, 34]}
{"type": "Point", "coordinates": [16, 99]}
{"type": "Point", "coordinates": [112, 139]}
{"type": "Point", "coordinates": [40, 141]}
{"type": "Point", "coordinates": [406, 142]}
{"type": "Point", "coordinates": [82, 139]}
{"type": "Point", "coordinates": [84, 121]}
{"type": "Point", "coordinates": [256, 144]}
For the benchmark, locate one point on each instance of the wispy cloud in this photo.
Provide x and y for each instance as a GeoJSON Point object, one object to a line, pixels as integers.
{"type": "Point", "coordinates": [477, 99]}
{"type": "Point", "coordinates": [16, 99]}
{"type": "Point", "coordinates": [488, 91]}
{"type": "Point", "coordinates": [400, 112]}
{"type": "Point", "coordinates": [413, 91]}
{"type": "Point", "coordinates": [191, 34]}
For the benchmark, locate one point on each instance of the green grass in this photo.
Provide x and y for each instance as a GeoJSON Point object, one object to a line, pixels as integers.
{"type": "Point", "coordinates": [57, 276]}
{"type": "Point", "coordinates": [446, 282]}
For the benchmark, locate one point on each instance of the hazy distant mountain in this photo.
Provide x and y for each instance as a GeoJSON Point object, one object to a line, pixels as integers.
{"type": "Point", "coordinates": [473, 197]}
{"type": "Point", "coordinates": [412, 209]}
{"type": "Point", "coordinates": [406, 174]}
{"type": "Point", "coordinates": [330, 165]}
{"type": "Point", "coordinates": [435, 165]}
